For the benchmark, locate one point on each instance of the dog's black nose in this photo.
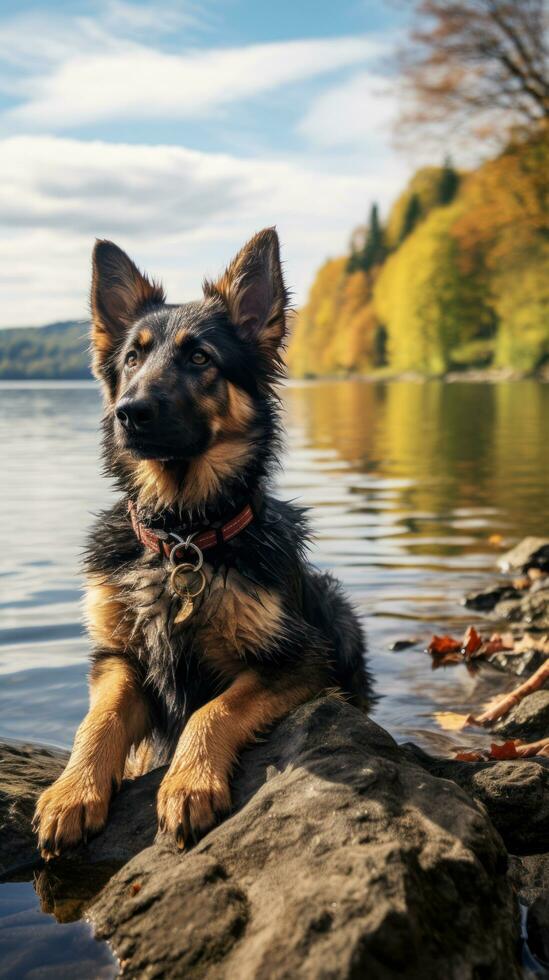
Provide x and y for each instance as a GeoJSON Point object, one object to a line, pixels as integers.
{"type": "Point", "coordinates": [134, 414]}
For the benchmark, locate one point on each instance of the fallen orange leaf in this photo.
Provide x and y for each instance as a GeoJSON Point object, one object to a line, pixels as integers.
{"type": "Point", "coordinates": [508, 750]}
{"type": "Point", "coordinates": [472, 641]}
{"type": "Point", "coordinates": [451, 721]}
{"type": "Point", "coordinates": [495, 540]}
{"type": "Point", "coordinates": [444, 644]}
{"type": "Point", "coordinates": [468, 756]}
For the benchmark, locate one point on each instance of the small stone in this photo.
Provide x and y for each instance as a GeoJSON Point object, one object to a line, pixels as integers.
{"type": "Point", "coordinates": [528, 720]}
{"type": "Point", "coordinates": [530, 552]}
{"type": "Point", "coordinates": [487, 599]}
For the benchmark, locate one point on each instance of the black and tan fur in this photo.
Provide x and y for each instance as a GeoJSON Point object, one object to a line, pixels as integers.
{"type": "Point", "coordinates": [191, 432]}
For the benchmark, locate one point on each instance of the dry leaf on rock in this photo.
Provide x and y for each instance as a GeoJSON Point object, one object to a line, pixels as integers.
{"type": "Point", "coordinates": [508, 750]}
{"type": "Point", "coordinates": [451, 721]}
{"type": "Point", "coordinates": [444, 644]}
{"type": "Point", "coordinates": [471, 643]}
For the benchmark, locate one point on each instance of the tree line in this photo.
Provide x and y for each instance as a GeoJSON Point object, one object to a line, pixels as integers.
{"type": "Point", "coordinates": [456, 276]}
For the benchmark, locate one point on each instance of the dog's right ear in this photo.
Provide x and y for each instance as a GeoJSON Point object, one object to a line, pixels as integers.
{"type": "Point", "coordinates": [120, 293]}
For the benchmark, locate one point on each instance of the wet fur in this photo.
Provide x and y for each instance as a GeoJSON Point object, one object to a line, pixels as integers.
{"type": "Point", "coordinates": [270, 631]}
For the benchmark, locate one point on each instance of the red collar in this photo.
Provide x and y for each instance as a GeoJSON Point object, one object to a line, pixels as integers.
{"type": "Point", "coordinates": [161, 542]}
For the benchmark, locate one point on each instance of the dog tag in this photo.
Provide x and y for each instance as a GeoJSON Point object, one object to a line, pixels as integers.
{"type": "Point", "coordinates": [187, 580]}
{"type": "Point", "coordinates": [186, 609]}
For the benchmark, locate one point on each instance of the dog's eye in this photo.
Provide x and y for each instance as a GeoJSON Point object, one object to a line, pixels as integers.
{"type": "Point", "coordinates": [199, 357]}
{"type": "Point", "coordinates": [131, 359]}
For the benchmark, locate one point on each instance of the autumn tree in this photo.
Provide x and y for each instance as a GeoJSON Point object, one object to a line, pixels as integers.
{"type": "Point", "coordinates": [477, 65]}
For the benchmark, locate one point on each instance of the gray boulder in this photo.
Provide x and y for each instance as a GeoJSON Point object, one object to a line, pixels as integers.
{"type": "Point", "coordinates": [344, 858]}
{"type": "Point", "coordinates": [515, 794]}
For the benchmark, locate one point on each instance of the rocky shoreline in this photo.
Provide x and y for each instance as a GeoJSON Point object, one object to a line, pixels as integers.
{"type": "Point", "coordinates": [346, 854]}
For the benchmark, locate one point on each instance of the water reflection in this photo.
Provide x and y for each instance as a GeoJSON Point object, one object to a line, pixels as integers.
{"type": "Point", "coordinates": [408, 481]}
{"type": "Point", "coordinates": [34, 945]}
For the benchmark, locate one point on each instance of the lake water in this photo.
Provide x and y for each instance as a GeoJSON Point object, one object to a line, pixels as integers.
{"type": "Point", "coordinates": [407, 482]}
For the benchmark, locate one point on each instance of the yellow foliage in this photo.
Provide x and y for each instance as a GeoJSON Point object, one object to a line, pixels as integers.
{"type": "Point", "coordinates": [425, 300]}
{"type": "Point", "coordinates": [424, 184]}
{"type": "Point", "coordinates": [334, 333]}
{"type": "Point", "coordinates": [522, 304]}
{"type": "Point", "coordinates": [471, 278]}
{"type": "Point", "coordinates": [506, 203]}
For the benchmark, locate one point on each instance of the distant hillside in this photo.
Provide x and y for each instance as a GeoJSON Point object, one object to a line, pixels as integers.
{"type": "Point", "coordinates": [56, 351]}
{"type": "Point", "coordinates": [458, 277]}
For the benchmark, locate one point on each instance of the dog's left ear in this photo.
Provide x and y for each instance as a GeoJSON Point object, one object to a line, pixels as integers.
{"type": "Point", "coordinates": [252, 289]}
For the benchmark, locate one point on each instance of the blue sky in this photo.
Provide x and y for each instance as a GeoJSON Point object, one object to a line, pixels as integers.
{"type": "Point", "coordinates": [179, 129]}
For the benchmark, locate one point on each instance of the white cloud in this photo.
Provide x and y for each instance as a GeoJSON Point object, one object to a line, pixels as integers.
{"type": "Point", "coordinates": [155, 18]}
{"type": "Point", "coordinates": [180, 213]}
{"type": "Point", "coordinates": [355, 113]}
{"type": "Point", "coordinates": [55, 38]}
{"type": "Point", "coordinates": [135, 81]}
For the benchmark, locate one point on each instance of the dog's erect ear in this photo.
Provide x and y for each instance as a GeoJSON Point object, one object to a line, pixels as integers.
{"type": "Point", "coordinates": [252, 289]}
{"type": "Point", "coordinates": [119, 294]}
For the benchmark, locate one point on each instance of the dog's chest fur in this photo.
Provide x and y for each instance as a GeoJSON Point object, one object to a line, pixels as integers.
{"type": "Point", "coordinates": [137, 607]}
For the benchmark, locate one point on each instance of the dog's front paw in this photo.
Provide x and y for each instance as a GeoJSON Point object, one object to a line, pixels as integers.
{"type": "Point", "coordinates": [67, 812]}
{"type": "Point", "coordinates": [190, 803]}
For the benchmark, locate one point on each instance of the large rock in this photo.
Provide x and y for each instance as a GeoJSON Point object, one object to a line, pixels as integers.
{"type": "Point", "coordinates": [515, 794]}
{"type": "Point", "coordinates": [344, 859]}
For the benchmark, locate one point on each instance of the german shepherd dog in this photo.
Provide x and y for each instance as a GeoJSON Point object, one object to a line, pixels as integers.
{"type": "Point", "coordinates": [207, 621]}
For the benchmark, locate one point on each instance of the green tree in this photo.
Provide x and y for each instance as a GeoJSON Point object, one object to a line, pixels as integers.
{"type": "Point", "coordinates": [411, 217]}
{"type": "Point", "coordinates": [373, 251]}
{"type": "Point", "coordinates": [448, 183]}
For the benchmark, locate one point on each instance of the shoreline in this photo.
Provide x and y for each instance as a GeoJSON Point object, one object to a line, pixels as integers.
{"type": "Point", "coordinates": [469, 376]}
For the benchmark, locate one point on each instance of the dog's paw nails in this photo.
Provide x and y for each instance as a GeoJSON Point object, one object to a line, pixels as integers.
{"type": "Point", "coordinates": [188, 808]}
{"type": "Point", "coordinates": [65, 813]}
